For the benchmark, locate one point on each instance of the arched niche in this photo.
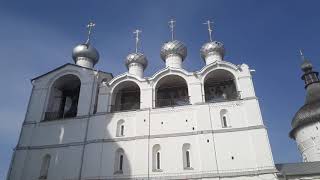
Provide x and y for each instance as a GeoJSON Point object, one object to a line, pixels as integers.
{"type": "Point", "coordinates": [63, 98]}
{"type": "Point", "coordinates": [156, 157]}
{"type": "Point", "coordinates": [219, 85]}
{"type": "Point", "coordinates": [186, 156]}
{"type": "Point", "coordinates": [44, 169]}
{"type": "Point", "coordinates": [171, 90]}
{"type": "Point", "coordinates": [119, 161]}
{"type": "Point", "coordinates": [125, 96]}
{"type": "Point", "coordinates": [224, 118]}
{"type": "Point", "coordinates": [120, 128]}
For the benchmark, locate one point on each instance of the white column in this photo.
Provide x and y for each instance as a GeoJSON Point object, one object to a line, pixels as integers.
{"type": "Point", "coordinates": [103, 99]}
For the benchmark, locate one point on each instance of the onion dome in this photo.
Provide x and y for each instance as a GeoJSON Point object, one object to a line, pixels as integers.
{"type": "Point", "coordinates": [306, 66]}
{"type": "Point", "coordinates": [310, 111]}
{"type": "Point", "coordinates": [85, 52]}
{"type": "Point", "coordinates": [213, 47]}
{"type": "Point", "coordinates": [173, 48]}
{"type": "Point", "coordinates": [136, 58]}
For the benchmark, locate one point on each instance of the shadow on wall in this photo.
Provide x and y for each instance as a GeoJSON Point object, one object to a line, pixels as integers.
{"type": "Point", "coordinates": [106, 154]}
{"type": "Point", "coordinates": [99, 153]}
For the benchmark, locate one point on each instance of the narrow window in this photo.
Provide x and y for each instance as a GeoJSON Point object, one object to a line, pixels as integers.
{"type": "Point", "coordinates": [158, 160]}
{"type": "Point", "coordinates": [120, 162]}
{"type": "Point", "coordinates": [45, 167]}
{"type": "Point", "coordinates": [188, 159]}
{"type": "Point", "coordinates": [122, 130]}
{"type": "Point", "coordinates": [224, 121]}
{"type": "Point", "coordinates": [224, 118]}
{"type": "Point", "coordinates": [186, 156]}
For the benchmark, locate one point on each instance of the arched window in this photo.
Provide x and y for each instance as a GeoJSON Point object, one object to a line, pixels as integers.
{"type": "Point", "coordinates": [119, 161]}
{"type": "Point", "coordinates": [120, 128]}
{"type": "Point", "coordinates": [172, 90]}
{"type": "Point", "coordinates": [45, 167]}
{"type": "Point", "coordinates": [224, 118]}
{"type": "Point", "coordinates": [219, 85]}
{"type": "Point", "coordinates": [186, 156]}
{"type": "Point", "coordinates": [63, 98]}
{"type": "Point", "coordinates": [126, 96]}
{"type": "Point", "coordinates": [156, 158]}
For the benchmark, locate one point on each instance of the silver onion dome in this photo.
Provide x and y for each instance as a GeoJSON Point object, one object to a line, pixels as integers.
{"type": "Point", "coordinates": [136, 58]}
{"type": "Point", "coordinates": [306, 66]}
{"type": "Point", "coordinates": [211, 48]}
{"type": "Point", "coordinates": [173, 48]}
{"type": "Point", "coordinates": [85, 51]}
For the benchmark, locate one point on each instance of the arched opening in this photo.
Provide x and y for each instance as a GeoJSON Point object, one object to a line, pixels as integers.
{"type": "Point", "coordinates": [119, 161]}
{"type": "Point", "coordinates": [186, 156]}
{"type": "Point", "coordinates": [156, 158]}
{"type": "Point", "coordinates": [219, 85]}
{"type": "Point", "coordinates": [224, 118]}
{"type": "Point", "coordinates": [172, 90]}
{"type": "Point", "coordinates": [126, 96]}
{"type": "Point", "coordinates": [120, 128]}
{"type": "Point", "coordinates": [45, 167]}
{"type": "Point", "coordinates": [64, 97]}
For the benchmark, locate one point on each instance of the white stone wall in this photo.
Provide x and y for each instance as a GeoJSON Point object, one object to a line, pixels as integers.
{"type": "Point", "coordinates": [88, 142]}
{"type": "Point", "coordinates": [308, 141]}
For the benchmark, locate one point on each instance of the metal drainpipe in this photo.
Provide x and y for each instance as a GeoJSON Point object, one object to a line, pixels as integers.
{"type": "Point", "coordinates": [149, 145]}
{"type": "Point", "coordinates": [214, 146]}
{"type": "Point", "coordinates": [87, 125]}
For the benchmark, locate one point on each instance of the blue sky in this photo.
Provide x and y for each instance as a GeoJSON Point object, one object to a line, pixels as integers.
{"type": "Point", "coordinates": [38, 36]}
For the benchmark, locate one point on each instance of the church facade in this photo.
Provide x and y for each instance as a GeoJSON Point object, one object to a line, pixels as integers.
{"type": "Point", "coordinates": [86, 124]}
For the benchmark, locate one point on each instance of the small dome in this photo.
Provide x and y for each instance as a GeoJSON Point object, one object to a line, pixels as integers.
{"type": "Point", "coordinates": [173, 48]}
{"type": "Point", "coordinates": [85, 51]}
{"type": "Point", "coordinates": [212, 47]}
{"type": "Point", "coordinates": [137, 58]}
{"type": "Point", "coordinates": [307, 114]}
{"type": "Point", "coordinates": [306, 66]}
